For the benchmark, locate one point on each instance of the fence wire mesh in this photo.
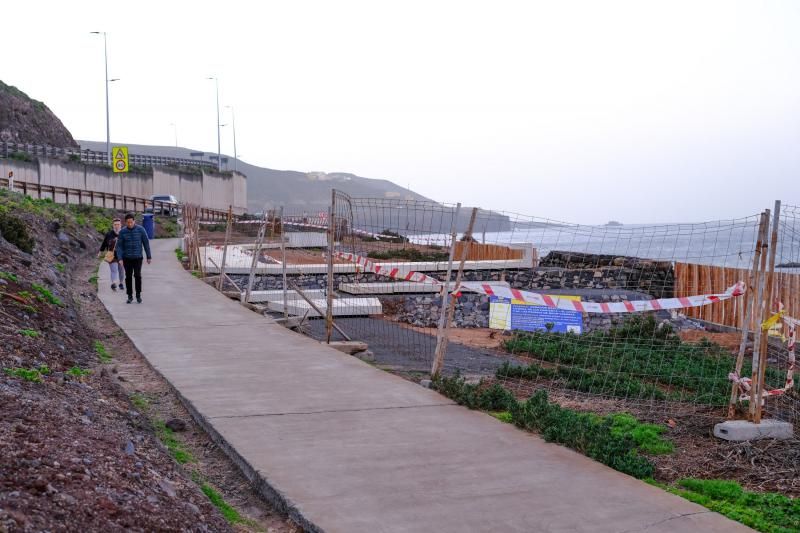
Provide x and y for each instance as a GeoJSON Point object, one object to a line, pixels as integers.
{"type": "Point", "coordinates": [645, 318]}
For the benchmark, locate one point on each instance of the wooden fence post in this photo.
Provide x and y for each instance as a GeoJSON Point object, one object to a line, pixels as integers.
{"type": "Point", "coordinates": [225, 247]}
{"type": "Point", "coordinates": [330, 285]}
{"type": "Point", "coordinates": [758, 318]}
{"type": "Point", "coordinates": [443, 338]}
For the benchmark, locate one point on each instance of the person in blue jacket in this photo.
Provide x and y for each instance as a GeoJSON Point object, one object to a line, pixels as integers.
{"type": "Point", "coordinates": [132, 238]}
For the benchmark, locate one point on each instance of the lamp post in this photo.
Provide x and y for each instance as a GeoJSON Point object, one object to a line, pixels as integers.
{"type": "Point", "coordinates": [175, 130]}
{"type": "Point", "coordinates": [233, 125]}
{"type": "Point", "coordinates": [219, 148]}
{"type": "Point", "coordinates": [108, 125]}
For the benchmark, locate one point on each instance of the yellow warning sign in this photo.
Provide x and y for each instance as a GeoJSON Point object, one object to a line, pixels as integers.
{"type": "Point", "coordinates": [120, 158]}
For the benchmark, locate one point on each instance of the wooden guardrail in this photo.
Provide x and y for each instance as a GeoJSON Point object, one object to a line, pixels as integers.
{"type": "Point", "coordinates": [489, 252]}
{"type": "Point", "coordinates": [71, 196]}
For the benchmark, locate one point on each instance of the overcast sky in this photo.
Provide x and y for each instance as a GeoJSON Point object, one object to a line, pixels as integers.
{"type": "Point", "coordinates": [582, 111]}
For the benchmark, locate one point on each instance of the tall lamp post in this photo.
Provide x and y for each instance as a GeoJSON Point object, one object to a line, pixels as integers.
{"type": "Point", "coordinates": [219, 148]}
{"type": "Point", "coordinates": [233, 125]}
{"type": "Point", "coordinates": [108, 125]}
{"type": "Point", "coordinates": [175, 129]}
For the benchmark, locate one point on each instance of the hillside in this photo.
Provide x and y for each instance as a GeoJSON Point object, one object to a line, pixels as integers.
{"type": "Point", "coordinates": [25, 120]}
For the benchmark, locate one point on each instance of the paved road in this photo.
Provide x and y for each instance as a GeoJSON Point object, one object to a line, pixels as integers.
{"type": "Point", "coordinates": [348, 448]}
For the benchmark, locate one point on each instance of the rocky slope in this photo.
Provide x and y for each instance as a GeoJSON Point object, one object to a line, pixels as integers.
{"type": "Point", "coordinates": [25, 120]}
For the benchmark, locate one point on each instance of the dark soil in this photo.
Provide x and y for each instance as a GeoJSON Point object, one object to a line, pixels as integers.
{"type": "Point", "coordinates": [75, 453]}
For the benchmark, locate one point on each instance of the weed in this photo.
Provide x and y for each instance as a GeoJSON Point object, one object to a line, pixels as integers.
{"type": "Point", "coordinates": [25, 294]}
{"type": "Point", "coordinates": [608, 440]}
{"type": "Point", "coordinates": [767, 512]}
{"type": "Point", "coordinates": [29, 332]}
{"type": "Point", "coordinates": [179, 254]}
{"type": "Point", "coordinates": [503, 416]}
{"type": "Point", "coordinates": [8, 276]}
{"type": "Point", "coordinates": [646, 436]}
{"type": "Point", "coordinates": [14, 230]}
{"type": "Point", "coordinates": [61, 267]}
{"type": "Point", "coordinates": [46, 295]}
{"type": "Point", "coordinates": [31, 309]}
{"type": "Point", "coordinates": [77, 372]}
{"type": "Point", "coordinates": [140, 401]}
{"type": "Point", "coordinates": [230, 514]}
{"type": "Point", "coordinates": [93, 280]}
{"type": "Point", "coordinates": [33, 375]}
{"type": "Point", "coordinates": [175, 447]}
{"type": "Point", "coordinates": [102, 352]}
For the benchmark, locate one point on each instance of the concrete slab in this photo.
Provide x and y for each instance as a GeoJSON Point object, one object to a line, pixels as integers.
{"type": "Point", "coordinates": [742, 430]}
{"type": "Point", "coordinates": [341, 307]}
{"type": "Point", "coordinates": [277, 296]}
{"type": "Point", "coordinates": [347, 447]}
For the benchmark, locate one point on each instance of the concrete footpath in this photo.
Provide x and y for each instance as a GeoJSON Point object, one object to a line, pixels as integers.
{"type": "Point", "coordinates": [346, 447]}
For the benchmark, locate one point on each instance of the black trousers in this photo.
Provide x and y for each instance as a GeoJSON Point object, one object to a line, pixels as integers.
{"type": "Point", "coordinates": [133, 269]}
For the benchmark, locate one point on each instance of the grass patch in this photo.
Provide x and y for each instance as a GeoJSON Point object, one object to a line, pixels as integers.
{"type": "Point", "coordinates": [29, 333]}
{"type": "Point", "coordinates": [230, 514]}
{"type": "Point", "coordinates": [8, 276]}
{"type": "Point", "coordinates": [175, 447]}
{"type": "Point", "coordinates": [768, 512]}
{"type": "Point", "coordinates": [140, 401]}
{"type": "Point", "coordinates": [616, 440]}
{"type": "Point", "coordinates": [33, 375]}
{"type": "Point", "coordinates": [102, 353]}
{"type": "Point", "coordinates": [78, 372]}
{"type": "Point", "coordinates": [639, 359]}
{"type": "Point", "coordinates": [179, 254]}
{"type": "Point", "coordinates": [410, 254]}
{"type": "Point", "coordinates": [61, 267]}
{"type": "Point", "coordinates": [45, 295]}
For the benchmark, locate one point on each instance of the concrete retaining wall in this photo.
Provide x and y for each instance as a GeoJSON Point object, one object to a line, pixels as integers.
{"type": "Point", "coordinates": [210, 189]}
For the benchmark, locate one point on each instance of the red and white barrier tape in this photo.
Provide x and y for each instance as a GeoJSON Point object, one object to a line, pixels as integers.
{"type": "Point", "coordinates": [395, 273]}
{"type": "Point", "coordinates": [636, 306]}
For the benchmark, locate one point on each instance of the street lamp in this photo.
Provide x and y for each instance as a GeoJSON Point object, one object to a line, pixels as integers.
{"type": "Point", "coordinates": [175, 129]}
{"type": "Point", "coordinates": [233, 124]}
{"type": "Point", "coordinates": [219, 148]}
{"type": "Point", "coordinates": [108, 125]}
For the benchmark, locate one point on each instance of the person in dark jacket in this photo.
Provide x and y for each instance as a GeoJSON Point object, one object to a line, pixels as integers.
{"type": "Point", "coordinates": [130, 241]}
{"type": "Point", "coordinates": [110, 245]}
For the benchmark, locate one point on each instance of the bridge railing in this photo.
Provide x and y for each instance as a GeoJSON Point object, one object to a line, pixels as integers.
{"type": "Point", "coordinates": [8, 149]}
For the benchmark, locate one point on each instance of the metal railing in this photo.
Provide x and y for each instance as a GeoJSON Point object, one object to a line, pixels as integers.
{"type": "Point", "coordinates": [72, 196]}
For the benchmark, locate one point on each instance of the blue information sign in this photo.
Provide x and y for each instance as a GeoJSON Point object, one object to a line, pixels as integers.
{"type": "Point", "coordinates": [528, 317]}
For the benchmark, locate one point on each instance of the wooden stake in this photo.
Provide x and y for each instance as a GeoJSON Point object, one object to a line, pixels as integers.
{"type": "Point", "coordinates": [446, 287]}
{"type": "Point", "coordinates": [768, 306]}
{"type": "Point", "coordinates": [758, 318]}
{"type": "Point", "coordinates": [438, 359]}
{"type": "Point", "coordinates": [749, 303]}
{"type": "Point", "coordinates": [319, 311]}
{"type": "Point", "coordinates": [330, 285]}
{"type": "Point", "coordinates": [225, 247]}
{"type": "Point", "coordinates": [262, 231]}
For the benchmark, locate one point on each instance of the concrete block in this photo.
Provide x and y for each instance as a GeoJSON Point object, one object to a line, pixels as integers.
{"type": "Point", "coordinates": [367, 356]}
{"type": "Point", "coordinates": [341, 307]}
{"type": "Point", "coordinates": [277, 295]}
{"type": "Point", "coordinates": [742, 430]}
{"type": "Point", "coordinates": [348, 347]}
{"type": "Point", "coordinates": [425, 383]}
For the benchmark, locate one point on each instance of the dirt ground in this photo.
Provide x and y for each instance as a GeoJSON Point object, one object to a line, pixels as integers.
{"type": "Point", "coordinates": [76, 454]}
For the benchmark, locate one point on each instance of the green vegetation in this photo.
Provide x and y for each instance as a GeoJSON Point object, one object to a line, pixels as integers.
{"type": "Point", "coordinates": [140, 401]}
{"type": "Point", "coordinates": [179, 254]}
{"type": "Point", "coordinates": [34, 375]}
{"type": "Point", "coordinates": [102, 352]}
{"type": "Point", "coordinates": [93, 280]}
{"type": "Point", "coordinates": [25, 295]}
{"type": "Point", "coordinates": [88, 215]}
{"type": "Point", "coordinates": [410, 254]}
{"type": "Point", "coordinates": [768, 512]}
{"type": "Point", "coordinates": [78, 372]}
{"type": "Point", "coordinates": [230, 514]}
{"type": "Point", "coordinates": [169, 227]}
{"type": "Point", "coordinates": [638, 359]}
{"type": "Point", "coordinates": [45, 295]}
{"type": "Point", "coordinates": [617, 440]}
{"type": "Point", "coordinates": [175, 447]}
{"type": "Point", "coordinates": [8, 276]}
{"type": "Point", "coordinates": [61, 267]}
{"type": "Point", "coordinates": [14, 231]}
{"type": "Point", "coordinates": [29, 332]}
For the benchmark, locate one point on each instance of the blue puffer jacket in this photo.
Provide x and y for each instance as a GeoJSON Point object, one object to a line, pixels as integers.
{"type": "Point", "coordinates": [130, 242]}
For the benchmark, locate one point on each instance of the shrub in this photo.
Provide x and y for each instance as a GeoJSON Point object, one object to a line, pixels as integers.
{"type": "Point", "coordinates": [614, 440]}
{"type": "Point", "coordinates": [14, 231]}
